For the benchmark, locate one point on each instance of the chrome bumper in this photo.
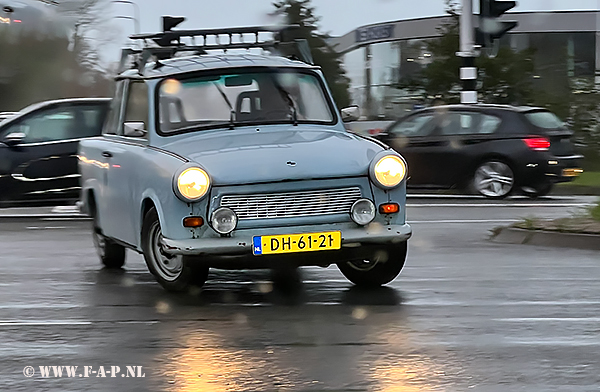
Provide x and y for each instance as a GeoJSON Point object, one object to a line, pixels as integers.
{"type": "Point", "coordinates": [242, 243]}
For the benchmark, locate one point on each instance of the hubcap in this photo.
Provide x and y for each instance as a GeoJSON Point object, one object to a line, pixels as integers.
{"type": "Point", "coordinates": [494, 179]}
{"type": "Point", "coordinates": [362, 265]}
{"type": "Point", "coordinates": [168, 266]}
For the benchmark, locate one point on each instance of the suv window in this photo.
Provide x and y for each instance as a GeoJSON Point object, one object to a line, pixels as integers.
{"type": "Point", "coordinates": [469, 124]}
{"type": "Point", "coordinates": [547, 120]}
{"type": "Point", "coordinates": [61, 123]}
{"type": "Point", "coordinates": [137, 104]}
{"type": "Point", "coordinates": [420, 125]}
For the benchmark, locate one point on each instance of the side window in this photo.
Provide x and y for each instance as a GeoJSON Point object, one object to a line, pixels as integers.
{"type": "Point", "coordinates": [137, 104]}
{"type": "Point", "coordinates": [47, 125]}
{"type": "Point", "coordinates": [489, 124]}
{"type": "Point", "coordinates": [420, 125]}
{"type": "Point", "coordinates": [112, 121]}
{"type": "Point", "coordinates": [459, 123]}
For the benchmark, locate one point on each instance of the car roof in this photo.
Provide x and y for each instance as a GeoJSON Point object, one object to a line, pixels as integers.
{"type": "Point", "coordinates": [180, 65]}
{"type": "Point", "coordinates": [39, 105]}
{"type": "Point", "coordinates": [487, 106]}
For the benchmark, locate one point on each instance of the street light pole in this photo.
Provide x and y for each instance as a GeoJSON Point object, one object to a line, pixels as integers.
{"type": "Point", "coordinates": [468, 71]}
{"type": "Point", "coordinates": [136, 13]}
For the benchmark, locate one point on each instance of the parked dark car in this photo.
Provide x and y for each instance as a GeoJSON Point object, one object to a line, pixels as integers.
{"type": "Point", "coordinates": [490, 149]}
{"type": "Point", "coordinates": [5, 115]}
{"type": "Point", "coordinates": [38, 150]}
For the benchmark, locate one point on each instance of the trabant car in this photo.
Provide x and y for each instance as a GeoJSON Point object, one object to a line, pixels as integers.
{"type": "Point", "coordinates": [239, 161]}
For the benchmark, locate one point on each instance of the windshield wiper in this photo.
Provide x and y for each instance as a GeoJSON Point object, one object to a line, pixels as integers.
{"type": "Point", "coordinates": [287, 97]}
{"type": "Point", "coordinates": [231, 111]}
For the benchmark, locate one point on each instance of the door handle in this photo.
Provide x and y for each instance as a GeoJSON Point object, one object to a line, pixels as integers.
{"type": "Point", "coordinates": [107, 154]}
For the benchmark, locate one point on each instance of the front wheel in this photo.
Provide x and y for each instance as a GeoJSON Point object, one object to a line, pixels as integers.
{"type": "Point", "coordinates": [173, 272]}
{"type": "Point", "coordinates": [382, 268]}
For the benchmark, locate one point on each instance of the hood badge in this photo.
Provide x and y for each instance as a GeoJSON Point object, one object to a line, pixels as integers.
{"type": "Point", "coordinates": [291, 163]}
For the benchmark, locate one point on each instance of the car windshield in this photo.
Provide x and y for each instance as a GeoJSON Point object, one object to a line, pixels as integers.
{"type": "Point", "coordinates": [232, 99]}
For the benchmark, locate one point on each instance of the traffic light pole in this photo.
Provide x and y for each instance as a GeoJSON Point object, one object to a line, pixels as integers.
{"type": "Point", "coordinates": [468, 71]}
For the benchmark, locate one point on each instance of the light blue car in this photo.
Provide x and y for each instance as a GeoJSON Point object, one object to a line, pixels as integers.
{"type": "Point", "coordinates": [239, 161]}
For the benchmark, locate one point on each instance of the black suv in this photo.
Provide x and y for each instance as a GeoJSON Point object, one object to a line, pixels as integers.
{"type": "Point", "coordinates": [491, 149]}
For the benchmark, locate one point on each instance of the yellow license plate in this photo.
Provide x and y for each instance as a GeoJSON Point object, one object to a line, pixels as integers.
{"type": "Point", "coordinates": [572, 172]}
{"type": "Point", "coordinates": [292, 243]}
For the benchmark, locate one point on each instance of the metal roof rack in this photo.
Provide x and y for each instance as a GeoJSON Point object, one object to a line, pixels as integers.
{"type": "Point", "coordinates": [168, 43]}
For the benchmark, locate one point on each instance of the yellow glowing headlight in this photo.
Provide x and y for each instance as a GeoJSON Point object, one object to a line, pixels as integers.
{"type": "Point", "coordinates": [390, 171]}
{"type": "Point", "coordinates": [193, 183]}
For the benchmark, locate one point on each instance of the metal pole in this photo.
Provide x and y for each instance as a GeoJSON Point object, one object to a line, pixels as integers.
{"type": "Point", "coordinates": [136, 13]}
{"type": "Point", "coordinates": [468, 71]}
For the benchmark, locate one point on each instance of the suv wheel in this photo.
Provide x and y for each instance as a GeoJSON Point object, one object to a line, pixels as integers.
{"type": "Point", "coordinates": [539, 190]}
{"type": "Point", "coordinates": [381, 269]}
{"type": "Point", "coordinates": [493, 179]}
{"type": "Point", "coordinates": [173, 272]}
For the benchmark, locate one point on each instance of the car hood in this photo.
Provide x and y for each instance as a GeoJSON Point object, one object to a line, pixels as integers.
{"type": "Point", "coordinates": [250, 156]}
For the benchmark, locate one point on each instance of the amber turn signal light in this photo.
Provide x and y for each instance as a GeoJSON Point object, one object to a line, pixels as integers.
{"type": "Point", "coordinates": [389, 208]}
{"type": "Point", "coordinates": [193, 221]}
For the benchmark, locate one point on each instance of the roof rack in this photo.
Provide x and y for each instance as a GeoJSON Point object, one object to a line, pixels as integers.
{"type": "Point", "coordinates": [168, 43]}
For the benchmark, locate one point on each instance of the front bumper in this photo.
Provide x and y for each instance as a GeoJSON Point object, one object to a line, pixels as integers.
{"type": "Point", "coordinates": [241, 244]}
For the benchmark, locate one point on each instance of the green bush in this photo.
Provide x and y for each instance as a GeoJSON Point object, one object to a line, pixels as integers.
{"type": "Point", "coordinates": [595, 211]}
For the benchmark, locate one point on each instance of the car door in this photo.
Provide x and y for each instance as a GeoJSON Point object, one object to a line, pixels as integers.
{"type": "Point", "coordinates": [119, 152]}
{"type": "Point", "coordinates": [42, 166]}
{"type": "Point", "coordinates": [466, 137]}
{"type": "Point", "coordinates": [415, 139]}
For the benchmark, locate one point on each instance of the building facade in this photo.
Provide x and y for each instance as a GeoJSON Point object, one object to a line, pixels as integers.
{"type": "Point", "coordinates": [377, 57]}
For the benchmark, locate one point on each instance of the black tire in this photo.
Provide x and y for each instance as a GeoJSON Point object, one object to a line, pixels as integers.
{"type": "Point", "coordinates": [111, 254]}
{"type": "Point", "coordinates": [539, 190]}
{"type": "Point", "coordinates": [493, 179]}
{"type": "Point", "coordinates": [174, 273]}
{"type": "Point", "coordinates": [384, 267]}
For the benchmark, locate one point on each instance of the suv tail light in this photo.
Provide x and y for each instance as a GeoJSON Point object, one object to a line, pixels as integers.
{"type": "Point", "coordinates": [537, 143]}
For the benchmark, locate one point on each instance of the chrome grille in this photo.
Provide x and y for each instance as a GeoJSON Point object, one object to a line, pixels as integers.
{"type": "Point", "coordinates": [292, 204]}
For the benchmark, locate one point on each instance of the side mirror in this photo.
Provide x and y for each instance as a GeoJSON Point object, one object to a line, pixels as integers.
{"type": "Point", "coordinates": [14, 138]}
{"type": "Point", "coordinates": [134, 129]}
{"type": "Point", "coordinates": [351, 113]}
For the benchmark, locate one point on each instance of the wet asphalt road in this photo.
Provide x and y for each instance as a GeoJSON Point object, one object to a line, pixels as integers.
{"type": "Point", "coordinates": [465, 314]}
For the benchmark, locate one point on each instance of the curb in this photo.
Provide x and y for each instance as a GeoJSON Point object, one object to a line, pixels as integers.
{"type": "Point", "coordinates": [511, 235]}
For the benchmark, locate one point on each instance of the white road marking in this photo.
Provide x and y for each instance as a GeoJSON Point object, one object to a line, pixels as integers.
{"type": "Point", "coordinates": [485, 205]}
{"type": "Point", "coordinates": [466, 221]}
{"type": "Point", "coordinates": [545, 319]}
{"type": "Point", "coordinates": [46, 227]}
{"type": "Point", "coordinates": [29, 323]}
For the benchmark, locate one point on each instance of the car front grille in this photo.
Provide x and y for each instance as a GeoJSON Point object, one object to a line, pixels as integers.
{"type": "Point", "coordinates": [292, 204]}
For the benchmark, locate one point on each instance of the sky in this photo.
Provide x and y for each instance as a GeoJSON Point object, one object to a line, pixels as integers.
{"type": "Point", "coordinates": [338, 16]}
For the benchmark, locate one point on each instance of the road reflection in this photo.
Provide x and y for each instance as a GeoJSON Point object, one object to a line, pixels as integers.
{"type": "Point", "coordinates": [260, 331]}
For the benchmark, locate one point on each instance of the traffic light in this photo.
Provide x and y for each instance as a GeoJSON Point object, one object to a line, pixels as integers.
{"type": "Point", "coordinates": [171, 21]}
{"type": "Point", "coordinates": [490, 28]}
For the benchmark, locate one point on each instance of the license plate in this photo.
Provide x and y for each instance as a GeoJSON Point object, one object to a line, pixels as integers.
{"type": "Point", "coordinates": [572, 172]}
{"type": "Point", "coordinates": [293, 243]}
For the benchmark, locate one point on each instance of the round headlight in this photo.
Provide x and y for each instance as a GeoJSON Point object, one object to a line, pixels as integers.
{"type": "Point", "coordinates": [363, 211]}
{"type": "Point", "coordinates": [193, 183]}
{"type": "Point", "coordinates": [389, 171]}
{"type": "Point", "coordinates": [224, 220]}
